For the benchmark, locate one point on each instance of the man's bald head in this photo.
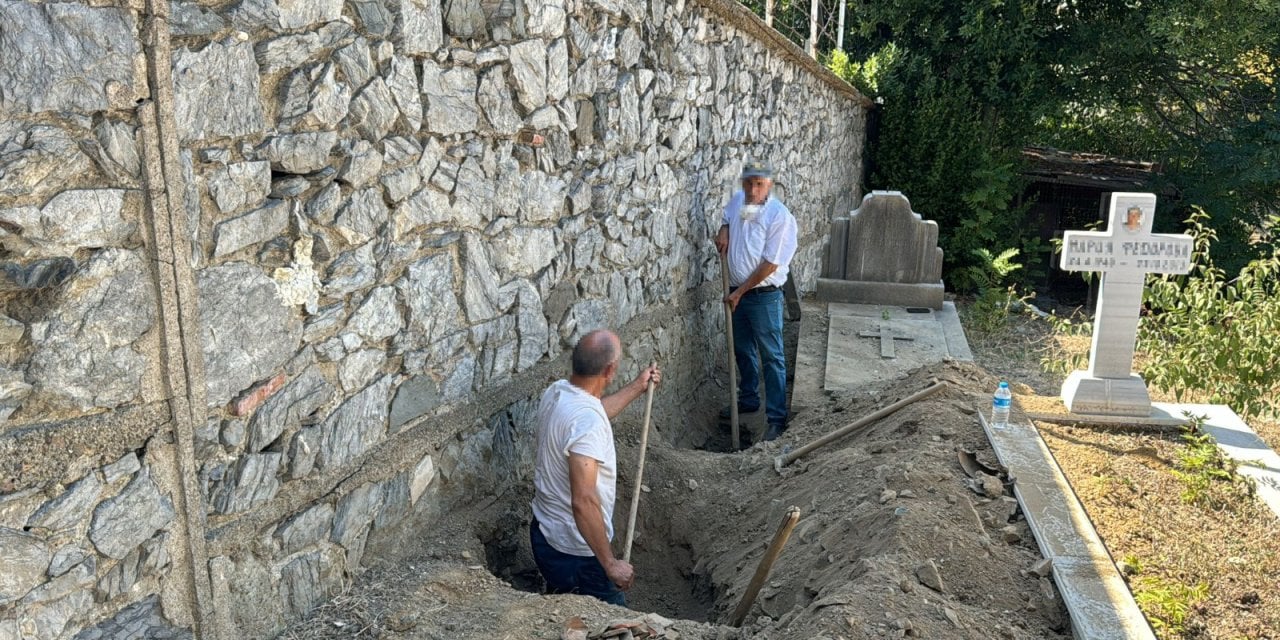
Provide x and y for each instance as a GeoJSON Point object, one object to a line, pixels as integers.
{"type": "Point", "coordinates": [595, 352]}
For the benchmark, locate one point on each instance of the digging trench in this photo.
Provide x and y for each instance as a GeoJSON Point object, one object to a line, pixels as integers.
{"type": "Point", "coordinates": [673, 579]}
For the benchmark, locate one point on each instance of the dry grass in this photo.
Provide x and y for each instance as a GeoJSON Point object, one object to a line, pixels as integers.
{"type": "Point", "coordinates": [1197, 571]}
{"type": "Point", "coordinates": [1220, 563]}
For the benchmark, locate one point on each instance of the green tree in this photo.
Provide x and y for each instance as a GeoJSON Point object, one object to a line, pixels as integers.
{"type": "Point", "coordinates": [1190, 84]}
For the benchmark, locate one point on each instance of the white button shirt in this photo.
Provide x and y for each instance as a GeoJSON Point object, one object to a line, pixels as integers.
{"type": "Point", "coordinates": [769, 236]}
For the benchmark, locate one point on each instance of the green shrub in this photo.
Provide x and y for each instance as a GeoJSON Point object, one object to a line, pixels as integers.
{"type": "Point", "coordinates": [1204, 334]}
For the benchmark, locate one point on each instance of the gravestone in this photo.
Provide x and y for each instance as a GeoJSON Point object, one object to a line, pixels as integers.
{"type": "Point", "coordinates": [1124, 254]}
{"type": "Point", "coordinates": [884, 253]}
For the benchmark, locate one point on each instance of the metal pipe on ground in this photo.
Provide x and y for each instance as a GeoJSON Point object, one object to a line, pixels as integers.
{"type": "Point", "coordinates": [784, 460]}
{"type": "Point", "coordinates": [766, 565]}
{"type": "Point", "coordinates": [635, 494]}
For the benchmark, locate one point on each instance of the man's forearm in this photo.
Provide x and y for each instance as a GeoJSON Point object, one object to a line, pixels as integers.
{"type": "Point", "coordinates": [762, 272]}
{"type": "Point", "coordinates": [590, 521]}
{"type": "Point", "coordinates": [615, 402]}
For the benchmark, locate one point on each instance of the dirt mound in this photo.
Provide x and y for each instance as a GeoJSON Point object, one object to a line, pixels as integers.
{"type": "Point", "coordinates": [891, 541]}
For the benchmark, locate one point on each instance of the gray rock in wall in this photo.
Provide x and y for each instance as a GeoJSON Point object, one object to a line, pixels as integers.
{"type": "Point", "coordinates": [216, 92]}
{"type": "Point", "coordinates": [299, 14]}
{"type": "Point", "coordinates": [25, 559]}
{"type": "Point", "coordinates": [242, 348]}
{"type": "Point", "coordinates": [532, 326]}
{"type": "Point", "coordinates": [146, 560]}
{"type": "Point", "coordinates": [75, 579]}
{"type": "Point", "coordinates": [363, 216]}
{"type": "Point", "coordinates": [190, 19]}
{"type": "Point", "coordinates": [451, 98]}
{"type": "Point", "coordinates": [480, 282]}
{"type": "Point", "coordinates": [117, 142]}
{"type": "Point", "coordinates": [420, 27]}
{"type": "Point", "coordinates": [311, 579]}
{"type": "Point", "coordinates": [546, 18]}
{"type": "Point", "coordinates": [313, 97]}
{"type": "Point", "coordinates": [465, 18]}
{"type": "Point", "coordinates": [305, 529]}
{"type": "Point", "coordinates": [292, 51]}
{"type": "Point", "coordinates": [378, 316]}
{"type": "Point", "coordinates": [415, 397]}
{"type": "Point", "coordinates": [297, 400]}
{"type": "Point", "coordinates": [300, 153]}
{"type": "Point", "coordinates": [122, 468]}
{"type": "Point", "coordinates": [70, 508]}
{"type": "Point", "coordinates": [72, 220]}
{"type": "Point", "coordinates": [51, 619]}
{"type": "Point", "coordinates": [66, 558]}
{"type": "Point", "coordinates": [375, 16]}
{"type": "Point", "coordinates": [374, 111]}
{"type": "Point", "coordinates": [356, 62]}
{"type": "Point", "coordinates": [124, 521]}
{"type": "Point", "coordinates": [402, 80]}
{"type": "Point", "coordinates": [427, 289]}
{"type": "Point", "coordinates": [84, 354]}
{"type": "Point", "coordinates": [40, 160]}
{"type": "Point", "coordinates": [529, 71]}
{"type": "Point", "coordinates": [524, 251]}
{"type": "Point", "coordinates": [494, 97]}
{"type": "Point", "coordinates": [357, 425]}
{"type": "Point", "coordinates": [360, 368]}
{"type": "Point", "coordinates": [142, 619]}
{"type": "Point", "coordinates": [354, 514]}
{"type": "Point", "coordinates": [63, 56]}
{"type": "Point", "coordinates": [250, 229]}
{"type": "Point", "coordinates": [351, 271]}
{"type": "Point", "coordinates": [241, 185]}
{"type": "Point", "coordinates": [249, 483]}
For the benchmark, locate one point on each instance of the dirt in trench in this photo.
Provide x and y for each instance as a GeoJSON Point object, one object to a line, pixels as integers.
{"type": "Point", "coordinates": [891, 542]}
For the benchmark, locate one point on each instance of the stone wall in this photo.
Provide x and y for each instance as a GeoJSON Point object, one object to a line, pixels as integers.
{"type": "Point", "coordinates": [279, 274]}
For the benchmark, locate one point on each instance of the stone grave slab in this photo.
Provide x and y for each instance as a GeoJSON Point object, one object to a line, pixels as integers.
{"type": "Point", "coordinates": [1241, 443]}
{"type": "Point", "coordinates": [870, 344]}
{"type": "Point", "coordinates": [1100, 604]}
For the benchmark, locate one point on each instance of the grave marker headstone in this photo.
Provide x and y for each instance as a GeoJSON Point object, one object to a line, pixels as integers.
{"type": "Point", "coordinates": [1124, 254]}
{"type": "Point", "coordinates": [884, 253]}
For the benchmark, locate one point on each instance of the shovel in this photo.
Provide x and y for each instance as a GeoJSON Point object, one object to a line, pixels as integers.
{"type": "Point", "coordinates": [635, 495]}
{"type": "Point", "coordinates": [733, 373]}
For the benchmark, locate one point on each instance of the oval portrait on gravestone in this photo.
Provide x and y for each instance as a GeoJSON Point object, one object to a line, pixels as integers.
{"type": "Point", "coordinates": [1133, 219]}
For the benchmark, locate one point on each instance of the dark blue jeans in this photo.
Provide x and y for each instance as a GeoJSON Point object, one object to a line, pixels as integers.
{"type": "Point", "coordinates": [757, 330]}
{"type": "Point", "coordinates": [567, 573]}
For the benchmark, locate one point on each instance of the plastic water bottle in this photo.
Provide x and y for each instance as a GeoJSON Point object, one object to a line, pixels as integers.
{"type": "Point", "coordinates": [1000, 403]}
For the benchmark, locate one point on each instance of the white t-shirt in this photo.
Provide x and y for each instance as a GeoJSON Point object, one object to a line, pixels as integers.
{"type": "Point", "coordinates": [571, 420]}
{"type": "Point", "coordinates": [769, 234]}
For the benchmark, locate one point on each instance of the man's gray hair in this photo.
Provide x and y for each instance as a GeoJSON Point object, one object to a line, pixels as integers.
{"type": "Point", "coordinates": [594, 353]}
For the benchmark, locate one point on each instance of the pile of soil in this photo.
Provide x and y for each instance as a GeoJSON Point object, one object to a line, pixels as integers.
{"type": "Point", "coordinates": [891, 542]}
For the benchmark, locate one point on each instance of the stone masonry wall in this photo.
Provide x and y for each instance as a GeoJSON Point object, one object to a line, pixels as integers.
{"type": "Point", "coordinates": [279, 276]}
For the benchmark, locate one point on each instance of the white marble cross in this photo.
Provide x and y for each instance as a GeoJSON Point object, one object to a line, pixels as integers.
{"type": "Point", "coordinates": [886, 340]}
{"type": "Point", "coordinates": [1124, 254]}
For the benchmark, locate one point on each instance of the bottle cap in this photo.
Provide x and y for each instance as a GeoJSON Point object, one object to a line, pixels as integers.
{"type": "Point", "coordinates": [1003, 383]}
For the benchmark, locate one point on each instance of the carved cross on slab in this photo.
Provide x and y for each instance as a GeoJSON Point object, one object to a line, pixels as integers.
{"type": "Point", "coordinates": [886, 340]}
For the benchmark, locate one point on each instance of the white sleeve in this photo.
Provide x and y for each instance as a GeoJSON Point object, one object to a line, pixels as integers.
{"type": "Point", "coordinates": [780, 240]}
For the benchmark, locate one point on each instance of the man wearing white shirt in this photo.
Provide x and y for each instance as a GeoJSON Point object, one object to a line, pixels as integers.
{"type": "Point", "coordinates": [575, 471]}
{"type": "Point", "coordinates": [758, 238]}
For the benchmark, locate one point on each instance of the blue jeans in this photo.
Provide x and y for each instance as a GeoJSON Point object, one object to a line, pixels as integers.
{"type": "Point", "coordinates": [567, 573]}
{"type": "Point", "coordinates": [757, 329]}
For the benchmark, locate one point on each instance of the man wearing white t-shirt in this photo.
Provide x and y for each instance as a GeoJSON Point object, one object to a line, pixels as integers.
{"type": "Point", "coordinates": [758, 238]}
{"type": "Point", "coordinates": [575, 472]}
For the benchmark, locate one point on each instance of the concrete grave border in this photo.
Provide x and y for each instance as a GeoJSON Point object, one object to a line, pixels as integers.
{"type": "Point", "coordinates": [1097, 598]}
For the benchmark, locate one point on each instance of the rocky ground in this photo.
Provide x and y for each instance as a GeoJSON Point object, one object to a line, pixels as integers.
{"type": "Point", "coordinates": [891, 542]}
